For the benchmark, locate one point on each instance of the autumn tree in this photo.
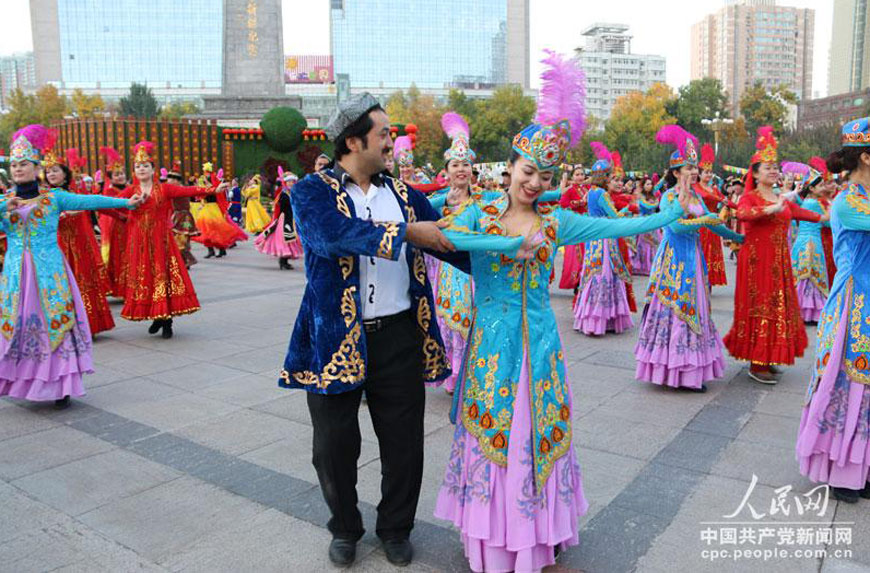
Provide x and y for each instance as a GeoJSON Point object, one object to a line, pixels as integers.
{"type": "Point", "coordinates": [423, 111]}
{"type": "Point", "coordinates": [179, 109]}
{"type": "Point", "coordinates": [634, 121]}
{"type": "Point", "coordinates": [497, 120]}
{"type": "Point", "coordinates": [45, 106]}
{"type": "Point", "coordinates": [87, 106]}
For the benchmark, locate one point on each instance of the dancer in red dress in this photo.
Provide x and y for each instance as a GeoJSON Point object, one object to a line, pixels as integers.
{"type": "Point", "coordinates": [573, 198]}
{"type": "Point", "coordinates": [767, 328]}
{"type": "Point", "coordinates": [75, 236]}
{"type": "Point", "coordinates": [113, 225]}
{"type": "Point", "coordinates": [829, 188]}
{"type": "Point", "coordinates": [158, 286]}
{"type": "Point", "coordinates": [713, 199]}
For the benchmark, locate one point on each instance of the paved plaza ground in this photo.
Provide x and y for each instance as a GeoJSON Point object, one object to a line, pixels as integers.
{"type": "Point", "coordinates": [186, 456]}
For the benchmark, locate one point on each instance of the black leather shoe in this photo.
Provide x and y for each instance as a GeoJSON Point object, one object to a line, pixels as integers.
{"type": "Point", "coordinates": [399, 551]}
{"type": "Point", "coordinates": [155, 326]}
{"type": "Point", "coordinates": [167, 328]}
{"type": "Point", "coordinates": [342, 552]}
{"type": "Point", "coordinates": [221, 253]}
{"type": "Point", "coordinates": [210, 253]}
{"type": "Point", "coordinates": [63, 403]}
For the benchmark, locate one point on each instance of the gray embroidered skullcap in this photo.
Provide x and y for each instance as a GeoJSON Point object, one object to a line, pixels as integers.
{"type": "Point", "coordinates": [348, 112]}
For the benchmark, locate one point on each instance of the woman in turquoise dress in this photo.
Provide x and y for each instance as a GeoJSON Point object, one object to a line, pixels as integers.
{"type": "Point", "coordinates": [451, 287]}
{"type": "Point", "coordinates": [512, 484]}
{"type": "Point", "coordinates": [808, 258]}
{"type": "Point", "coordinates": [833, 444]}
{"type": "Point", "coordinates": [678, 344]}
{"type": "Point", "coordinates": [602, 303]}
{"type": "Point", "coordinates": [45, 346]}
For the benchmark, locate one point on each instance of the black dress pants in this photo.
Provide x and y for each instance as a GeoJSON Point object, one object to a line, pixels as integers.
{"type": "Point", "coordinates": [396, 398]}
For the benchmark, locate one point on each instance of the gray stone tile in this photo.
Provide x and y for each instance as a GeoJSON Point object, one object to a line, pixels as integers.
{"type": "Point", "coordinates": [70, 547]}
{"type": "Point", "coordinates": [269, 541]}
{"type": "Point", "coordinates": [692, 450]}
{"type": "Point", "coordinates": [197, 376]}
{"type": "Point", "coordinates": [773, 430]}
{"type": "Point", "coordinates": [17, 421]}
{"type": "Point", "coordinates": [83, 485]}
{"type": "Point", "coordinates": [621, 436]}
{"type": "Point", "coordinates": [148, 364]}
{"type": "Point", "coordinates": [783, 404]}
{"type": "Point", "coordinates": [774, 466]}
{"type": "Point", "coordinates": [673, 408]}
{"type": "Point", "coordinates": [22, 514]}
{"type": "Point", "coordinates": [605, 474]}
{"type": "Point", "coordinates": [246, 390]}
{"type": "Point", "coordinates": [292, 405]}
{"type": "Point", "coordinates": [240, 431]}
{"type": "Point", "coordinates": [719, 420]}
{"type": "Point", "coordinates": [162, 521]}
{"type": "Point", "coordinates": [292, 455]}
{"type": "Point", "coordinates": [31, 453]}
{"type": "Point", "coordinates": [159, 405]}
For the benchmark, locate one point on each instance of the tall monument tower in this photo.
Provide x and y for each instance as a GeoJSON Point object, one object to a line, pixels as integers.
{"type": "Point", "coordinates": [253, 66]}
{"type": "Point", "coordinates": [253, 48]}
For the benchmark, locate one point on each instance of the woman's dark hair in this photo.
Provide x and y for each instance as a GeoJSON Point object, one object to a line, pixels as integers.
{"type": "Point", "coordinates": [671, 177]}
{"type": "Point", "coordinates": [600, 180]}
{"type": "Point", "coordinates": [513, 156]}
{"type": "Point", "coordinates": [753, 171]}
{"type": "Point", "coordinates": [845, 159]}
{"type": "Point", "coordinates": [360, 128]}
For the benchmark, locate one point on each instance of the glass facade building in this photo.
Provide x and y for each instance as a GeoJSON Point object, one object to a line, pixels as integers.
{"type": "Point", "coordinates": [109, 44]}
{"type": "Point", "coordinates": [432, 44]}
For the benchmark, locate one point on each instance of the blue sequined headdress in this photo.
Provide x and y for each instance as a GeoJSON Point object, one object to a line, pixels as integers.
{"type": "Point", "coordinates": [456, 128]}
{"type": "Point", "coordinates": [856, 133]}
{"type": "Point", "coordinates": [603, 158]}
{"type": "Point", "coordinates": [30, 142]}
{"type": "Point", "coordinates": [561, 116]}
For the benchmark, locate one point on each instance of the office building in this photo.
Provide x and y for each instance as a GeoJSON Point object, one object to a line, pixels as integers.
{"type": "Point", "coordinates": [16, 72]}
{"type": "Point", "coordinates": [749, 41]}
{"type": "Point", "coordinates": [103, 46]}
{"type": "Point", "coordinates": [456, 44]}
{"type": "Point", "coordinates": [849, 58]}
{"type": "Point", "coordinates": [612, 70]}
{"type": "Point", "coordinates": [833, 111]}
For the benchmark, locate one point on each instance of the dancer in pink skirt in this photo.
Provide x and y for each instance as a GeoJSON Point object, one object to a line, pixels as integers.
{"type": "Point", "coordinates": [833, 444]}
{"type": "Point", "coordinates": [513, 486]}
{"type": "Point", "coordinates": [279, 238]}
{"type": "Point", "coordinates": [602, 303]}
{"type": "Point", "coordinates": [678, 345]}
{"type": "Point", "coordinates": [45, 346]}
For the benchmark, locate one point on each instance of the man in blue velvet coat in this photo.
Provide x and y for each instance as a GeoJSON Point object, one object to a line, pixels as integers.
{"type": "Point", "coordinates": [367, 323]}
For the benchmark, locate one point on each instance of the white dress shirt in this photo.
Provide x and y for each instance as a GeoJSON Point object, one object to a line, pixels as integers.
{"type": "Point", "coordinates": [384, 283]}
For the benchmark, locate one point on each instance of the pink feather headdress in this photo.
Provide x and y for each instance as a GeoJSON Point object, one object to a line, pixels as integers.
{"type": "Point", "coordinates": [31, 142]}
{"type": "Point", "coordinates": [456, 128]}
{"type": "Point", "coordinates": [562, 95]}
{"type": "Point", "coordinates": [403, 151]}
{"type": "Point", "coordinates": [685, 143]}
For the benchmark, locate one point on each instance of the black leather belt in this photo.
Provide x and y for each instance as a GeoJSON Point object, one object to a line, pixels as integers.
{"type": "Point", "coordinates": [380, 323]}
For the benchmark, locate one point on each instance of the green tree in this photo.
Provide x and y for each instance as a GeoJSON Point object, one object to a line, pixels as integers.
{"type": "Point", "coordinates": [87, 105]}
{"type": "Point", "coordinates": [45, 106]}
{"type": "Point", "coordinates": [701, 99]}
{"type": "Point", "coordinates": [497, 120]}
{"type": "Point", "coordinates": [140, 102]}
{"type": "Point", "coordinates": [179, 109]}
{"type": "Point", "coordinates": [760, 107]}
{"type": "Point", "coordinates": [282, 127]}
{"type": "Point", "coordinates": [424, 112]}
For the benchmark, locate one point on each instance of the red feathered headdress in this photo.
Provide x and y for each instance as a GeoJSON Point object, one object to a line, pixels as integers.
{"type": "Point", "coordinates": [616, 157]}
{"type": "Point", "coordinates": [766, 146]}
{"type": "Point", "coordinates": [143, 152]}
{"type": "Point", "coordinates": [74, 161]}
{"type": "Point", "coordinates": [708, 157]}
{"type": "Point", "coordinates": [821, 166]}
{"type": "Point", "coordinates": [113, 159]}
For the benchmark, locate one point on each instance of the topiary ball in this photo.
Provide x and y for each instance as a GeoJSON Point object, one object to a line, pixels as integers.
{"type": "Point", "coordinates": [282, 128]}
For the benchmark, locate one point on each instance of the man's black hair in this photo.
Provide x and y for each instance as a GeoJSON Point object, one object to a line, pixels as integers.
{"type": "Point", "coordinates": [360, 128]}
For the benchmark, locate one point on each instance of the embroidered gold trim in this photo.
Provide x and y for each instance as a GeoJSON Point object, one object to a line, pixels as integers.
{"type": "Point", "coordinates": [391, 231]}
{"type": "Point", "coordinates": [346, 266]}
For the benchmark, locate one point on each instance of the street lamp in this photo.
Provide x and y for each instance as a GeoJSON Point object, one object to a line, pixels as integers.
{"type": "Point", "coordinates": [716, 125]}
